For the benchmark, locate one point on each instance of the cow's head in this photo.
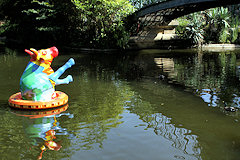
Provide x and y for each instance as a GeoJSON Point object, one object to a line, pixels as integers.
{"type": "Point", "coordinates": [43, 56]}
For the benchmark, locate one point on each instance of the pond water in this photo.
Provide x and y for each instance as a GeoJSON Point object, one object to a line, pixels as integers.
{"type": "Point", "coordinates": [149, 104]}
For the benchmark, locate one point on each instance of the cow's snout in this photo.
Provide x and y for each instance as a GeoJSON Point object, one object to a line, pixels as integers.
{"type": "Point", "coordinates": [54, 51]}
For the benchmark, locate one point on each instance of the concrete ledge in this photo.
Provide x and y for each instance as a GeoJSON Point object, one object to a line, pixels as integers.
{"type": "Point", "coordinates": [220, 47]}
{"type": "Point", "coordinates": [159, 44]}
{"type": "Point", "coordinates": [161, 36]}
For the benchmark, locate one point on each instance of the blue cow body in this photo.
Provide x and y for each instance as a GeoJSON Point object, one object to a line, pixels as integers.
{"type": "Point", "coordinates": [37, 85]}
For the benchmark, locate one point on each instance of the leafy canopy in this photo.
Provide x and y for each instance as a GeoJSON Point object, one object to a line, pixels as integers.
{"type": "Point", "coordinates": [87, 23]}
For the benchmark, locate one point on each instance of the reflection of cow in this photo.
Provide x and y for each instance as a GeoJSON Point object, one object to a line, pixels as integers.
{"type": "Point", "coordinates": [38, 79]}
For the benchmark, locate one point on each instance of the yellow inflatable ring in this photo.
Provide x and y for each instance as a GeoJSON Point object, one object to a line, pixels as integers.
{"type": "Point", "coordinates": [16, 101]}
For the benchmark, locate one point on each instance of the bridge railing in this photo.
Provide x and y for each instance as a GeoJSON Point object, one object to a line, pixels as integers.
{"type": "Point", "coordinates": [141, 3]}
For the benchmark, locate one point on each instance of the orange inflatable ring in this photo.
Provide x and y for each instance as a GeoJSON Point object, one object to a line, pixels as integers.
{"type": "Point", "coordinates": [16, 101]}
{"type": "Point", "coordinates": [40, 113]}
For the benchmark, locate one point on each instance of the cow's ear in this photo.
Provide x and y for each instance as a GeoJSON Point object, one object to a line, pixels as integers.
{"type": "Point", "coordinates": [35, 53]}
{"type": "Point", "coordinates": [29, 52]}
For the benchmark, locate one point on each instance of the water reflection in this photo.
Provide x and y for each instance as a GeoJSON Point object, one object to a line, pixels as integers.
{"type": "Point", "coordinates": [209, 96]}
{"type": "Point", "coordinates": [97, 104]}
{"type": "Point", "coordinates": [166, 65]}
{"type": "Point", "coordinates": [180, 117]}
{"type": "Point", "coordinates": [214, 77]}
{"type": "Point", "coordinates": [105, 86]}
{"type": "Point", "coordinates": [41, 126]}
{"type": "Point", "coordinates": [182, 138]}
{"type": "Point", "coordinates": [49, 137]}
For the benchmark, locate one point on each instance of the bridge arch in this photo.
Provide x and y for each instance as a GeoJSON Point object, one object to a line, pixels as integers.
{"type": "Point", "coordinates": [152, 22]}
{"type": "Point", "coordinates": [172, 9]}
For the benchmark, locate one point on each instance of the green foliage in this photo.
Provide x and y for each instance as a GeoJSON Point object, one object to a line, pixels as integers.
{"type": "Point", "coordinates": [41, 12]}
{"type": "Point", "coordinates": [87, 23]}
{"type": "Point", "coordinates": [191, 28]}
{"type": "Point", "coordinates": [235, 31]}
{"type": "Point", "coordinates": [218, 25]}
{"type": "Point", "coordinates": [32, 22]}
{"type": "Point", "coordinates": [102, 20]}
{"type": "Point", "coordinates": [142, 3]}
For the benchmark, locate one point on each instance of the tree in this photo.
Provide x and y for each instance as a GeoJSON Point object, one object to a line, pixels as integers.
{"type": "Point", "coordinates": [88, 23]}
{"type": "Point", "coordinates": [102, 20]}
{"type": "Point", "coordinates": [38, 22]}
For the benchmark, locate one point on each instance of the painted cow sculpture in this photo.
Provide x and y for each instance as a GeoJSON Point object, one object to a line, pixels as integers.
{"type": "Point", "coordinates": [38, 79]}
